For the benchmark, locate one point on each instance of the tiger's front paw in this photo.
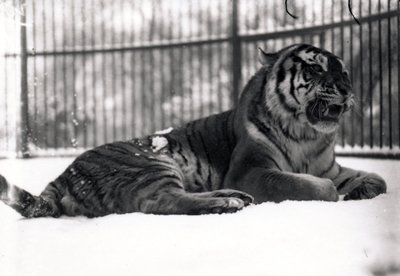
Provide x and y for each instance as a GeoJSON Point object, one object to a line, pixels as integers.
{"type": "Point", "coordinates": [372, 185]}
{"type": "Point", "coordinates": [326, 190]}
{"type": "Point", "coordinates": [245, 197]}
{"type": "Point", "coordinates": [224, 205]}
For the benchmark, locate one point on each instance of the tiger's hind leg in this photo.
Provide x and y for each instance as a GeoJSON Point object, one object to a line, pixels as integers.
{"type": "Point", "coordinates": [178, 201]}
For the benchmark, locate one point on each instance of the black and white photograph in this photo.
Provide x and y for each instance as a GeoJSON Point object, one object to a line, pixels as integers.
{"type": "Point", "coordinates": [200, 137]}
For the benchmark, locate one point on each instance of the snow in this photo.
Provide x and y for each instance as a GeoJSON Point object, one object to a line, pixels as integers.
{"type": "Point", "coordinates": [365, 151]}
{"type": "Point", "coordinates": [158, 143]}
{"type": "Point", "coordinates": [164, 131]}
{"type": "Point", "coordinates": [291, 238]}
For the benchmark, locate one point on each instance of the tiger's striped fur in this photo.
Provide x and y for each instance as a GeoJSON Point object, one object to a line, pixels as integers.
{"type": "Point", "coordinates": [278, 144]}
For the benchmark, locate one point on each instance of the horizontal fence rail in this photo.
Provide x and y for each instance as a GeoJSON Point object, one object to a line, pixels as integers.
{"type": "Point", "coordinates": [99, 71]}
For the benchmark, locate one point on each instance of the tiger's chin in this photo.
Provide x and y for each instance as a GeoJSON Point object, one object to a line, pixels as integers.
{"type": "Point", "coordinates": [324, 116]}
{"type": "Point", "coordinates": [325, 127]}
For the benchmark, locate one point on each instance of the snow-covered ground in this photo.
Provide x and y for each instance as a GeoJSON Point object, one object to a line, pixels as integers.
{"type": "Point", "coordinates": [290, 238]}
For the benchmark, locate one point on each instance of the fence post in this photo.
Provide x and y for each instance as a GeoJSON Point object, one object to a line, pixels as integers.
{"type": "Point", "coordinates": [236, 54]}
{"type": "Point", "coordinates": [23, 128]}
{"type": "Point", "coordinates": [322, 39]}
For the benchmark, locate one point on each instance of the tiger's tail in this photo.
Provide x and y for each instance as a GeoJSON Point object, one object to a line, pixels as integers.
{"type": "Point", "coordinates": [26, 204]}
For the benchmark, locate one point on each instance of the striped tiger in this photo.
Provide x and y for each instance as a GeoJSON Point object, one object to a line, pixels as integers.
{"type": "Point", "coordinates": [278, 144]}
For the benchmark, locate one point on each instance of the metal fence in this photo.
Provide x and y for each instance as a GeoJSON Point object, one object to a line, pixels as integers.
{"type": "Point", "coordinates": [88, 72]}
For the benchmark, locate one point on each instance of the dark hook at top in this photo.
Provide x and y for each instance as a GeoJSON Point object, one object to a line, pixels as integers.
{"type": "Point", "coordinates": [348, 5]}
{"type": "Point", "coordinates": [287, 11]}
{"type": "Point", "coordinates": [351, 12]}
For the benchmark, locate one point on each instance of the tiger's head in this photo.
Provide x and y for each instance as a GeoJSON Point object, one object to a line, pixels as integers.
{"type": "Point", "coordinates": [308, 86]}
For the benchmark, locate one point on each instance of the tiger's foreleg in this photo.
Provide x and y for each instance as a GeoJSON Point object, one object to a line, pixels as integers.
{"type": "Point", "coordinates": [358, 184]}
{"type": "Point", "coordinates": [275, 185]}
{"type": "Point", "coordinates": [175, 200]}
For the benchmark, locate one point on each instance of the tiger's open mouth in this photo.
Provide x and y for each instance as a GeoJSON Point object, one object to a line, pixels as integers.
{"type": "Point", "coordinates": [320, 110]}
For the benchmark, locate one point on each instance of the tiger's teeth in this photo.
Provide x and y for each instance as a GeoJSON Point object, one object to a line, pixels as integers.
{"type": "Point", "coordinates": [326, 112]}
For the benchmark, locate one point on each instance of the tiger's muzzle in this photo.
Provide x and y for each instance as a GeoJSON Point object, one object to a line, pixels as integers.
{"type": "Point", "coordinates": [322, 110]}
{"type": "Point", "coordinates": [328, 107]}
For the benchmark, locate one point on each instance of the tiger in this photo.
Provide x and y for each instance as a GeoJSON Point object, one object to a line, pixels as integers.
{"type": "Point", "coordinates": [277, 144]}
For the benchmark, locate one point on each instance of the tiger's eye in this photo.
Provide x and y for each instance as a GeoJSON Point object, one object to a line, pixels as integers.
{"type": "Point", "coordinates": [317, 68]}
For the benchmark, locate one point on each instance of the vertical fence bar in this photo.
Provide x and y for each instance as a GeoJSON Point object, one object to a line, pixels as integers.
{"type": "Point", "coordinates": [24, 128]}
{"type": "Point", "coordinates": [191, 66]}
{"type": "Point", "coordinates": [333, 30]}
{"type": "Point", "coordinates": [352, 115]}
{"type": "Point", "coordinates": [133, 73]}
{"type": "Point", "coordinates": [285, 15]}
{"type": "Point", "coordinates": [113, 76]}
{"type": "Point", "coordinates": [152, 97]}
{"type": "Point", "coordinates": [236, 53]}
{"type": "Point", "coordinates": [303, 20]}
{"type": "Point", "coordinates": [104, 73]}
{"type": "Point", "coordinates": [343, 130]}
{"type": "Point", "coordinates": [163, 85]}
{"type": "Point", "coordinates": [6, 101]}
{"type": "Point", "coordinates": [246, 61]}
{"type": "Point", "coordinates": [181, 62]}
{"type": "Point", "coordinates": [123, 69]}
{"type": "Point", "coordinates": [219, 55]}
{"type": "Point", "coordinates": [380, 77]}
{"type": "Point", "coordinates": [210, 60]}
{"type": "Point", "coordinates": [74, 117]}
{"type": "Point", "coordinates": [361, 78]}
{"type": "Point", "coordinates": [84, 90]}
{"type": "Point", "coordinates": [313, 21]}
{"type": "Point", "coordinates": [34, 125]}
{"type": "Point", "coordinates": [389, 45]}
{"type": "Point", "coordinates": [370, 86]}
{"type": "Point", "coordinates": [398, 70]}
{"type": "Point", "coordinates": [54, 76]}
{"type": "Point", "coordinates": [201, 61]}
{"type": "Point", "coordinates": [171, 70]}
{"type": "Point", "coordinates": [162, 75]}
{"type": "Point", "coordinates": [322, 34]}
{"type": "Point", "coordinates": [322, 12]}
{"type": "Point", "coordinates": [201, 79]}
{"type": "Point", "coordinates": [45, 95]}
{"type": "Point", "coordinates": [275, 27]}
{"type": "Point", "coordinates": [93, 42]}
{"type": "Point", "coordinates": [64, 82]}
{"type": "Point", "coordinates": [143, 80]}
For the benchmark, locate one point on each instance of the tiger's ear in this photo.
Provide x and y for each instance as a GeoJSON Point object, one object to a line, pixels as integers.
{"type": "Point", "coordinates": [266, 59]}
